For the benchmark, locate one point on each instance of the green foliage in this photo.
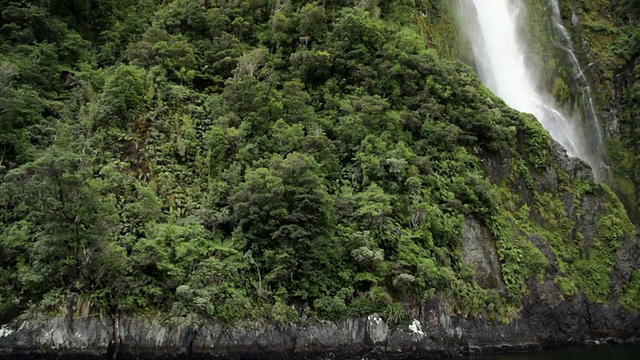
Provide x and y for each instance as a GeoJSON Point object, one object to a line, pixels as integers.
{"type": "Point", "coordinates": [589, 271]}
{"type": "Point", "coordinates": [253, 159]}
{"type": "Point", "coordinates": [632, 293]}
{"type": "Point", "coordinates": [567, 285]}
{"type": "Point", "coordinates": [608, 38]}
{"type": "Point", "coordinates": [594, 271]}
{"type": "Point", "coordinates": [521, 260]}
{"type": "Point", "coordinates": [561, 90]}
{"type": "Point", "coordinates": [215, 290]}
{"type": "Point", "coordinates": [121, 97]}
{"type": "Point", "coordinates": [537, 140]}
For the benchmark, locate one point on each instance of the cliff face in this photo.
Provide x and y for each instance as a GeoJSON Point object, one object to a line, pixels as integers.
{"type": "Point", "coordinates": [312, 161]}
{"type": "Point", "coordinates": [549, 314]}
{"type": "Point", "coordinates": [545, 320]}
{"type": "Point", "coordinates": [567, 208]}
{"type": "Point", "coordinates": [605, 36]}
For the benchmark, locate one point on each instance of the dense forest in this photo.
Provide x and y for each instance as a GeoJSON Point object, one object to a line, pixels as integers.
{"type": "Point", "coordinates": [279, 159]}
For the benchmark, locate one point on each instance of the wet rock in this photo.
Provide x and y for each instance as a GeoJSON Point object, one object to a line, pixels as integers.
{"type": "Point", "coordinates": [576, 168]}
{"type": "Point", "coordinates": [479, 251]}
{"type": "Point", "coordinates": [546, 318]}
{"type": "Point", "coordinates": [541, 244]}
{"type": "Point", "coordinates": [575, 20]}
{"type": "Point", "coordinates": [497, 164]}
{"type": "Point", "coordinates": [377, 330]}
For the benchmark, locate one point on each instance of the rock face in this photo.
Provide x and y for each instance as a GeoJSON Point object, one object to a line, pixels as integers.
{"type": "Point", "coordinates": [438, 331]}
{"type": "Point", "coordinates": [479, 251]}
{"type": "Point", "coordinates": [575, 167]}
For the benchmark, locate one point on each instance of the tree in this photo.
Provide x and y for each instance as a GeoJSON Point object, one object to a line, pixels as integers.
{"type": "Point", "coordinates": [57, 227]}
{"type": "Point", "coordinates": [285, 208]}
{"type": "Point", "coordinates": [122, 96]}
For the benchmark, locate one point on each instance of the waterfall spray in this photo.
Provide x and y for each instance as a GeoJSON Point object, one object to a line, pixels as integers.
{"type": "Point", "coordinates": [592, 125]}
{"type": "Point", "coordinates": [501, 54]}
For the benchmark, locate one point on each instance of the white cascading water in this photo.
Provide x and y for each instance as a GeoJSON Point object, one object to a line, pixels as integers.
{"type": "Point", "coordinates": [493, 27]}
{"type": "Point", "coordinates": [593, 130]}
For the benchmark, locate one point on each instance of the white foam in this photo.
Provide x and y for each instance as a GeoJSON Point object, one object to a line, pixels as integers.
{"type": "Point", "coordinates": [503, 64]}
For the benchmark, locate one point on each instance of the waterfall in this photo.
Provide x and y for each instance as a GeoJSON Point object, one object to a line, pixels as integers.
{"type": "Point", "coordinates": [504, 65]}
{"type": "Point", "coordinates": [593, 128]}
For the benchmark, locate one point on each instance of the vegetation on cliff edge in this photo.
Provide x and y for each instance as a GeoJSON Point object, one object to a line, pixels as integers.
{"type": "Point", "coordinates": [233, 159]}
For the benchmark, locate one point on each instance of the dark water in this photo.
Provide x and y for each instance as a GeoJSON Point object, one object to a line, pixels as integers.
{"type": "Point", "coordinates": [605, 352]}
{"type": "Point", "coordinates": [614, 352]}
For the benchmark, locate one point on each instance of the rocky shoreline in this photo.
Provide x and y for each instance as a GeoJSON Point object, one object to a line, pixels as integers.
{"type": "Point", "coordinates": [435, 333]}
{"type": "Point", "coordinates": [377, 353]}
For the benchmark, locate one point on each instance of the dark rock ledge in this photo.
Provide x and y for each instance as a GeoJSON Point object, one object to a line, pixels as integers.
{"type": "Point", "coordinates": [436, 333]}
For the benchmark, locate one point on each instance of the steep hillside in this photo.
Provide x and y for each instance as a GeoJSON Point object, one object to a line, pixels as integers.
{"type": "Point", "coordinates": [281, 160]}
{"type": "Point", "coordinates": [607, 36]}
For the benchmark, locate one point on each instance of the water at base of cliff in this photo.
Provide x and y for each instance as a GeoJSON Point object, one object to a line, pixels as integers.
{"type": "Point", "coordinates": [605, 352]}
{"type": "Point", "coordinates": [602, 352]}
